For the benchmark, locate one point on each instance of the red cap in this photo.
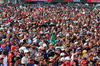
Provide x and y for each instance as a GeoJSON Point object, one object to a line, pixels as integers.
{"type": "Point", "coordinates": [83, 61]}
{"type": "Point", "coordinates": [13, 47]}
{"type": "Point", "coordinates": [3, 46]}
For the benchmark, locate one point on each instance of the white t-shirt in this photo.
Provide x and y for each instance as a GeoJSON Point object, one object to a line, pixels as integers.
{"type": "Point", "coordinates": [4, 60]}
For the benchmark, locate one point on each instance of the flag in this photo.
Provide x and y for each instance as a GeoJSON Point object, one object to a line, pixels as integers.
{"type": "Point", "coordinates": [52, 39]}
{"type": "Point", "coordinates": [40, 8]}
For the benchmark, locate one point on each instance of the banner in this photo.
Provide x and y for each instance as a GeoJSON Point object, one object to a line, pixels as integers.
{"type": "Point", "coordinates": [68, 0]}
{"type": "Point", "coordinates": [93, 1]}
{"type": "Point", "coordinates": [39, 0]}
{"type": "Point", "coordinates": [76, 0]}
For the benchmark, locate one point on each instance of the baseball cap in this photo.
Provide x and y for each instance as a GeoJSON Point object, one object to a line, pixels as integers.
{"type": "Point", "coordinates": [4, 52]}
{"type": "Point", "coordinates": [75, 55]}
{"type": "Point", "coordinates": [13, 47]}
{"type": "Point", "coordinates": [41, 48]}
{"type": "Point", "coordinates": [78, 49]}
{"type": "Point", "coordinates": [56, 41]}
{"type": "Point", "coordinates": [3, 46]}
{"type": "Point", "coordinates": [76, 43]}
{"type": "Point", "coordinates": [26, 51]}
{"type": "Point", "coordinates": [62, 59]}
{"type": "Point", "coordinates": [67, 58]}
{"type": "Point", "coordinates": [84, 51]}
{"type": "Point", "coordinates": [83, 62]}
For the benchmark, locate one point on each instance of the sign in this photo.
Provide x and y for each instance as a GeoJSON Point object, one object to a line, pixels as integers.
{"type": "Point", "coordinates": [93, 1]}
{"type": "Point", "coordinates": [68, 0]}
{"type": "Point", "coordinates": [39, 0]}
{"type": "Point", "coordinates": [76, 0]}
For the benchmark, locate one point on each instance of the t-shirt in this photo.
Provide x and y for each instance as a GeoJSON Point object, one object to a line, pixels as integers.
{"type": "Point", "coordinates": [24, 60]}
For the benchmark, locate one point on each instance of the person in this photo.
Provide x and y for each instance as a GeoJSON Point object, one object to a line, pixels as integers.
{"type": "Point", "coordinates": [16, 53]}
{"type": "Point", "coordinates": [1, 61]}
{"type": "Point", "coordinates": [4, 55]}
{"type": "Point", "coordinates": [11, 54]}
{"type": "Point", "coordinates": [24, 60]}
{"type": "Point", "coordinates": [17, 61]}
{"type": "Point", "coordinates": [67, 61]}
{"type": "Point", "coordinates": [83, 63]}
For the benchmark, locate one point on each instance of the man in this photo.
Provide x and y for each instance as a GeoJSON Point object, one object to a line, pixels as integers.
{"type": "Point", "coordinates": [83, 63]}
{"type": "Point", "coordinates": [3, 48]}
{"type": "Point", "coordinates": [4, 55]}
{"type": "Point", "coordinates": [16, 53]}
{"type": "Point", "coordinates": [75, 56]}
{"type": "Point", "coordinates": [1, 61]}
{"type": "Point", "coordinates": [67, 61]}
{"type": "Point", "coordinates": [51, 48]}
{"type": "Point", "coordinates": [11, 53]}
{"type": "Point", "coordinates": [24, 60]}
{"type": "Point", "coordinates": [17, 61]}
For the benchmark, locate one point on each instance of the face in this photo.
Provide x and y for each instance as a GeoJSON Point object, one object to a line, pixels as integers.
{"type": "Point", "coordinates": [19, 61]}
{"type": "Point", "coordinates": [84, 64]}
{"type": "Point", "coordinates": [26, 54]}
{"type": "Point", "coordinates": [66, 49]}
{"type": "Point", "coordinates": [1, 61]}
{"type": "Point", "coordinates": [67, 61]}
{"type": "Point", "coordinates": [76, 58]}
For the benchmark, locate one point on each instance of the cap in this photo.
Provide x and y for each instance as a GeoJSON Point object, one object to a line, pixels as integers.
{"type": "Point", "coordinates": [62, 59]}
{"type": "Point", "coordinates": [11, 39]}
{"type": "Point", "coordinates": [85, 44]}
{"type": "Point", "coordinates": [40, 48]}
{"type": "Point", "coordinates": [62, 54]}
{"type": "Point", "coordinates": [44, 45]}
{"type": "Point", "coordinates": [3, 46]}
{"type": "Point", "coordinates": [57, 49]}
{"type": "Point", "coordinates": [56, 41]}
{"type": "Point", "coordinates": [67, 58]}
{"type": "Point", "coordinates": [76, 43]}
{"type": "Point", "coordinates": [13, 47]}
{"type": "Point", "coordinates": [75, 55]}
{"type": "Point", "coordinates": [84, 51]}
{"type": "Point", "coordinates": [51, 44]}
{"type": "Point", "coordinates": [26, 51]}
{"type": "Point", "coordinates": [83, 62]}
{"type": "Point", "coordinates": [78, 49]}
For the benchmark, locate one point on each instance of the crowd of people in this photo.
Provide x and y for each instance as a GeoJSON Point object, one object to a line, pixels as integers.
{"type": "Point", "coordinates": [49, 35]}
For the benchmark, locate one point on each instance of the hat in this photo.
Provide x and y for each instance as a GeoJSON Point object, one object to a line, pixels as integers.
{"type": "Point", "coordinates": [85, 44]}
{"type": "Point", "coordinates": [91, 55]}
{"type": "Point", "coordinates": [62, 59]}
{"type": "Point", "coordinates": [83, 62]}
{"type": "Point", "coordinates": [76, 43]}
{"type": "Point", "coordinates": [57, 49]}
{"type": "Point", "coordinates": [62, 54]}
{"type": "Point", "coordinates": [62, 48]}
{"type": "Point", "coordinates": [11, 39]}
{"type": "Point", "coordinates": [51, 44]}
{"type": "Point", "coordinates": [26, 51]}
{"type": "Point", "coordinates": [31, 59]}
{"type": "Point", "coordinates": [56, 41]}
{"type": "Point", "coordinates": [13, 47]}
{"type": "Point", "coordinates": [40, 48]}
{"type": "Point", "coordinates": [75, 55]}
{"type": "Point", "coordinates": [44, 45]}
{"type": "Point", "coordinates": [3, 46]}
{"type": "Point", "coordinates": [84, 51]}
{"type": "Point", "coordinates": [67, 58]}
{"type": "Point", "coordinates": [78, 49]}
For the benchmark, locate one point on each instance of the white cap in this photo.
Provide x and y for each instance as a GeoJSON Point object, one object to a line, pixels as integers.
{"type": "Point", "coordinates": [26, 51]}
{"type": "Point", "coordinates": [75, 42]}
{"type": "Point", "coordinates": [44, 45]}
{"type": "Point", "coordinates": [85, 44]}
{"type": "Point", "coordinates": [62, 48]}
{"type": "Point", "coordinates": [41, 48]}
{"type": "Point", "coordinates": [62, 54]}
{"type": "Point", "coordinates": [62, 59]}
{"type": "Point", "coordinates": [67, 58]}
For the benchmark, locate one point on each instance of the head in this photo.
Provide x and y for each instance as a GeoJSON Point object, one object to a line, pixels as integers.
{"type": "Point", "coordinates": [51, 46]}
{"type": "Point", "coordinates": [58, 50]}
{"type": "Point", "coordinates": [76, 57]}
{"type": "Point", "coordinates": [18, 60]}
{"type": "Point", "coordinates": [83, 63]}
{"type": "Point", "coordinates": [1, 60]}
{"type": "Point", "coordinates": [67, 60]}
{"type": "Point", "coordinates": [4, 47]}
{"type": "Point", "coordinates": [26, 52]}
{"type": "Point", "coordinates": [66, 48]}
